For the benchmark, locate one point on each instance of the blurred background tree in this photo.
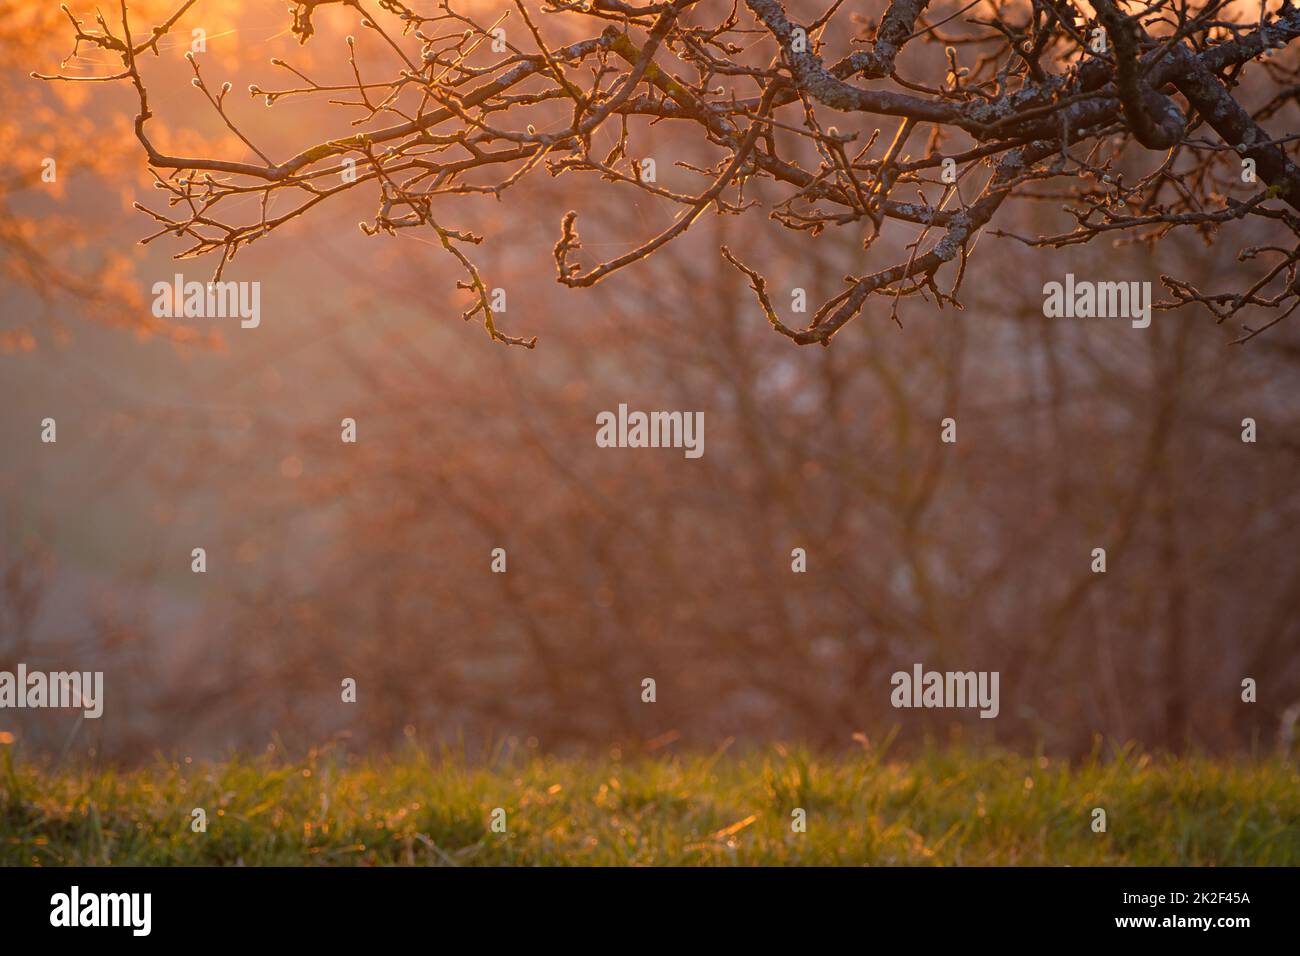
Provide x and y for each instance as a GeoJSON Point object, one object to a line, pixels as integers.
{"type": "Point", "coordinates": [372, 561]}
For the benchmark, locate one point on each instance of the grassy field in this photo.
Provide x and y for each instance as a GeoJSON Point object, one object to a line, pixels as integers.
{"type": "Point", "coordinates": [941, 807]}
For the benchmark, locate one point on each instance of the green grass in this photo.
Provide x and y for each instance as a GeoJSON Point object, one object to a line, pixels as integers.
{"type": "Point", "coordinates": [945, 806]}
